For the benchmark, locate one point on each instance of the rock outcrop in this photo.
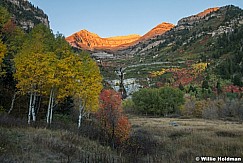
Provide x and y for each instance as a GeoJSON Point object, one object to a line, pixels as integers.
{"type": "Point", "coordinates": [207, 11]}
{"type": "Point", "coordinates": [195, 18]}
{"type": "Point", "coordinates": [25, 14]}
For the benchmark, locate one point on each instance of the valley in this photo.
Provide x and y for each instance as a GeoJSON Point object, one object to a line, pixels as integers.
{"type": "Point", "coordinates": [194, 39]}
{"type": "Point", "coordinates": [172, 94]}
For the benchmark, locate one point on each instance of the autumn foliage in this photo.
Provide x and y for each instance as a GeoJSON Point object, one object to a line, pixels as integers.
{"type": "Point", "coordinates": [111, 117]}
{"type": "Point", "coordinates": [183, 76]}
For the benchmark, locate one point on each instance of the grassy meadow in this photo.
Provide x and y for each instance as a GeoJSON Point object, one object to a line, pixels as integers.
{"type": "Point", "coordinates": [181, 140]}
{"type": "Point", "coordinates": [152, 140]}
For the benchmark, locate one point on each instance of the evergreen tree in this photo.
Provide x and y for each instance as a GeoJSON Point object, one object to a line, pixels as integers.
{"type": "Point", "coordinates": [219, 88]}
{"type": "Point", "coordinates": [237, 80]}
{"type": "Point", "coordinates": [205, 84]}
{"type": "Point", "coordinates": [181, 87]}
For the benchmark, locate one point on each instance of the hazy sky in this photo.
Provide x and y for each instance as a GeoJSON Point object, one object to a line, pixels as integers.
{"type": "Point", "coordinates": [120, 17]}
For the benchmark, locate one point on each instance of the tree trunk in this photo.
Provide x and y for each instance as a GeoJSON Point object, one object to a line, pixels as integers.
{"type": "Point", "coordinates": [113, 135]}
{"type": "Point", "coordinates": [79, 119]}
{"type": "Point", "coordinates": [12, 103]}
{"type": "Point", "coordinates": [81, 109]}
{"type": "Point", "coordinates": [80, 116]}
{"type": "Point", "coordinates": [49, 108]}
{"type": "Point", "coordinates": [30, 106]}
{"type": "Point", "coordinates": [52, 105]}
{"type": "Point", "coordinates": [33, 108]}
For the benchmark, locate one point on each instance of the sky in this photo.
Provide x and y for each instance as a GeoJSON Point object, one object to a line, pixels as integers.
{"type": "Point", "coordinates": [120, 17]}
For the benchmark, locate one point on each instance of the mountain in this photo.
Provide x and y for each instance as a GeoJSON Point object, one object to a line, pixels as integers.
{"type": "Point", "coordinates": [192, 19]}
{"type": "Point", "coordinates": [158, 30]}
{"type": "Point", "coordinates": [91, 41]}
{"type": "Point", "coordinates": [212, 37]}
{"type": "Point", "coordinates": [202, 29]}
{"type": "Point", "coordinates": [25, 14]}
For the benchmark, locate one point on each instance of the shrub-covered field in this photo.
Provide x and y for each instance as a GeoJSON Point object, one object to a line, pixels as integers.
{"type": "Point", "coordinates": [182, 140]}
{"type": "Point", "coordinates": [151, 140]}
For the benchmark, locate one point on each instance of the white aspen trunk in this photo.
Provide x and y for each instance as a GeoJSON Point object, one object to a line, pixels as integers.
{"type": "Point", "coordinates": [33, 108]}
{"type": "Point", "coordinates": [81, 108]}
{"type": "Point", "coordinates": [30, 106]}
{"type": "Point", "coordinates": [52, 105]}
{"type": "Point", "coordinates": [49, 108]}
{"type": "Point", "coordinates": [79, 118]}
{"type": "Point", "coordinates": [12, 103]}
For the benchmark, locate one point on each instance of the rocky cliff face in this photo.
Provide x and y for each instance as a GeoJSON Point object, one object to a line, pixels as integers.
{"type": "Point", "coordinates": [25, 14]}
{"type": "Point", "coordinates": [207, 11]}
{"type": "Point", "coordinates": [91, 41]}
{"type": "Point", "coordinates": [195, 18]}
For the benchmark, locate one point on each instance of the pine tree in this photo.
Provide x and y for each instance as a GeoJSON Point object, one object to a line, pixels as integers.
{"type": "Point", "coordinates": [181, 87]}
{"type": "Point", "coordinates": [237, 80]}
{"type": "Point", "coordinates": [219, 88]}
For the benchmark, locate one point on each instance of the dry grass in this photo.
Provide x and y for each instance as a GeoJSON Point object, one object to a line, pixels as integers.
{"type": "Point", "coordinates": [184, 139]}
{"type": "Point", "coordinates": [44, 145]}
{"type": "Point", "coordinates": [152, 140]}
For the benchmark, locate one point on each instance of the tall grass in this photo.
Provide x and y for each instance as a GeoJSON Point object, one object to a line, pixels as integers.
{"type": "Point", "coordinates": [191, 138]}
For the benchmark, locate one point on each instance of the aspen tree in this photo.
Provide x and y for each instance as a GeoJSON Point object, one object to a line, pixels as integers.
{"type": "Point", "coordinates": [87, 85]}
{"type": "Point", "coordinates": [31, 65]}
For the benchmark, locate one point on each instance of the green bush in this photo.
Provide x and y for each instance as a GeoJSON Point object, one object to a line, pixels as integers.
{"type": "Point", "coordinates": [160, 101]}
{"type": "Point", "coordinates": [128, 105]}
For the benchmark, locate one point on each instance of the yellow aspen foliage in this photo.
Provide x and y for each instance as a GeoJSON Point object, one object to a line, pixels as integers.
{"type": "Point", "coordinates": [33, 62]}
{"type": "Point", "coordinates": [199, 67]}
{"type": "Point", "coordinates": [88, 82]}
{"type": "Point", "coordinates": [3, 51]}
{"type": "Point", "coordinates": [47, 66]}
{"type": "Point", "coordinates": [158, 73]}
{"type": "Point", "coordinates": [199, 107]}
{"type": "Point", "coordinates": [32, 71]}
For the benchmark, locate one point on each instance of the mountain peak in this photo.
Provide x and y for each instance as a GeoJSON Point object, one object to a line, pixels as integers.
{"type": "Point", "coordinates": [158, 30]}
{"type": "Point", "coordinates": [163, 26]}
{"type": "Point", "coordinates": [88, 33]}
